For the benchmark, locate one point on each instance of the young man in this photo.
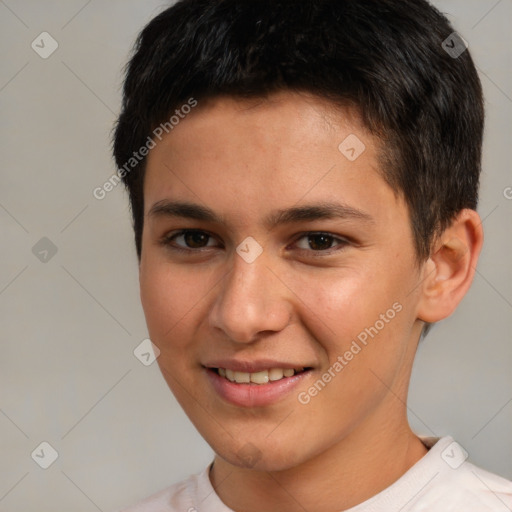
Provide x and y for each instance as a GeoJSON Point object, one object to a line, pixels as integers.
{"type": "Point", "coordinates": [303, 177]}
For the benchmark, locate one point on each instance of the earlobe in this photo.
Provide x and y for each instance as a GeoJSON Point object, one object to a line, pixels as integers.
{"type": "Point", "coordinates": [448, 273]}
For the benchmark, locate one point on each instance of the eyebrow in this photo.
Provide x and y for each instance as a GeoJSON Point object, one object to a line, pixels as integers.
{"type": "Point", "coordinates": [309, 212]}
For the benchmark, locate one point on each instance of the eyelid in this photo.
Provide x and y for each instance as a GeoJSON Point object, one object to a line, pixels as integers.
{"type": "Point", "coordinates": [342, 241]}
{"type": "Point", "coordinates": [169, 237]}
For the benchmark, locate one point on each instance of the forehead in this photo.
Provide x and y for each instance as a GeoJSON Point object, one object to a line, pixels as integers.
{"type": "Point", "coordinates": [245, 155]}
{"type": "Point", "coordinates": [275, 124]}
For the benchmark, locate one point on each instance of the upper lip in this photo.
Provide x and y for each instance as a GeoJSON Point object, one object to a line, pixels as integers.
{"type": "Point", "coordinates": [252, 366]}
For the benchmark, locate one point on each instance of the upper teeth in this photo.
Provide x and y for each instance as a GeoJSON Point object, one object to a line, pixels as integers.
{"type": "Point", "coordinates": [258, 377]}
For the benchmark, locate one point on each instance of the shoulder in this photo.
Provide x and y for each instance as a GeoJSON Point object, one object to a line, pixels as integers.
{"type": "Point", "coordinates": [456, 484]}
{"type": "Point", "coordinates": [182, 496]}
{"type": "Point", "coordinates": [443, 481]}
{"type": "Point", "coordinates": [472, 488]}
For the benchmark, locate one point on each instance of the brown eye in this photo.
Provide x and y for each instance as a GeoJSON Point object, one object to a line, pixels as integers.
{"type": "Point", "coordinates": [196, 239]}
{"type": "Point", "coordinates": [320, 242]}
{"type": "Point", "coordinates": [188, 240]}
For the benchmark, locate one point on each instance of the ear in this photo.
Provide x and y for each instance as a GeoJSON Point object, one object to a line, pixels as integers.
{"type": "Point", "coordinates": [448, 273]}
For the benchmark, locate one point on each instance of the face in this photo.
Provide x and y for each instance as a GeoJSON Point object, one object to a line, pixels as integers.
{"type": "Point", "coordinates": [271, 245]}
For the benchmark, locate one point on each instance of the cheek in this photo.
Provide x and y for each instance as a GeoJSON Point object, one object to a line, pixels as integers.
{"type": "Point", "coordinates": [357, 314]}
{"type": "Point", "coordinates": [168, 296]}
{"type": "Point", "coordinates": [363, 323]}
{"type": "Point", "coordinates": [346, 301]}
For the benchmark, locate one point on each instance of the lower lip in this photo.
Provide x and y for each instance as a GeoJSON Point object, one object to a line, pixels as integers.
{"type": "Point", "coordinates": [254, 395]}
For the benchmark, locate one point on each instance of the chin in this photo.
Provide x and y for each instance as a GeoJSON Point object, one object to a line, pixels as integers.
{"type": "Point", "coordinates": [261, 456]}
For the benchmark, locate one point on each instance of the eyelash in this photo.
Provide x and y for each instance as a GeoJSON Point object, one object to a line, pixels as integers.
{"type": "Point", "coordinates": [342, 242]}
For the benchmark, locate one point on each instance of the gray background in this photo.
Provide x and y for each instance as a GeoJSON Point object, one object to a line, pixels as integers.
{"type": "Point", "coordinates": [69, 325]}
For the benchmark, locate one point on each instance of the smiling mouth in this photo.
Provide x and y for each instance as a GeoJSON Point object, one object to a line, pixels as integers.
{"type": "Point", "coordinates": [262, 377]}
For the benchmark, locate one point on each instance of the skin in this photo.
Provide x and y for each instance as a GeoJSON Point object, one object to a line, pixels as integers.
{"type": "Point", "coordinates": [244, 159]}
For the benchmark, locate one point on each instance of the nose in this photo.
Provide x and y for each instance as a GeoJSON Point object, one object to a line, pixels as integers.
{"type": "Point", "coordinates": [252, 300]}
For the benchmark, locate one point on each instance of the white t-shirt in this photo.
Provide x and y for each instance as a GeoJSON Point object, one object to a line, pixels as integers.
{"type": "Point", "coordinates": [441, 481]}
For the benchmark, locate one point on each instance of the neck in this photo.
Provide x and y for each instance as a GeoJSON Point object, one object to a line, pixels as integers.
{"type": "Point", "coordinates": [348, 473]}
